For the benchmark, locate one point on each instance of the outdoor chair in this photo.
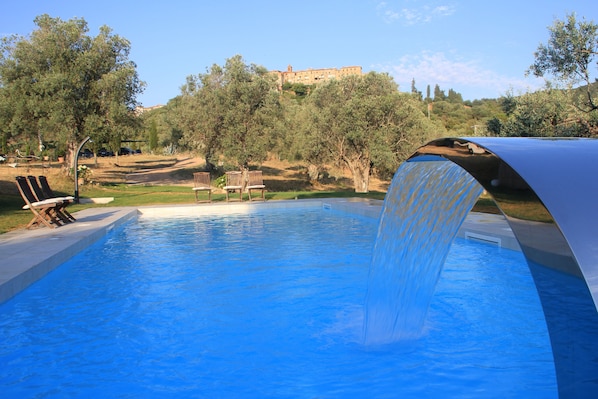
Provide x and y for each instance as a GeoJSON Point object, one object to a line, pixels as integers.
{"type": "Point", "coordinates": [234, 182]}
{"type": "Point", "coordinates": [255, 182]}
{"type": "Point", "coordinates": [43, 181]}
{"type": "Point", "coordinates": [45, 212]}
{"type": "Point", "coordinates": [201, 182]}
{"type": "Point", "coordinates": [42, 195]}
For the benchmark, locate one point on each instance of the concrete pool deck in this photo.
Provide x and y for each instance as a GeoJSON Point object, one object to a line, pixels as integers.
{"type": "Point", "coordinates": [28, 255]}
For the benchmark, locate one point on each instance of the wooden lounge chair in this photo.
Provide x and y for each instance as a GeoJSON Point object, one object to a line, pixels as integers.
{"type": "Point", "coordinates": [45, 212]}
{"type": "Point", "coordinates": [43, 181]}
{"type": "Point", "coordinates": [48, 193]}
{"type": "Point", "coordinates": [234, 182]}
{"type": "Point", "coordinates": [42, 195]}
{"type": "Point", "coordinates": [201, 182]}
{"type": "Point", "coordinates": [255, 182]}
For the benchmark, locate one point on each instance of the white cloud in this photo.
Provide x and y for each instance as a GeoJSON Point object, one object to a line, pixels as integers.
{"type": "Point", "coordinates": [444, 10]}
{"type": "Point", "coordinates": [467, 77]}
{"type": "Point", "coordinates": [412, 13]}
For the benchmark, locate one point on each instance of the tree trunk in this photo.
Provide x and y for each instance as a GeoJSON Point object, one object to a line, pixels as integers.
{"type": "Point", "coordinates": [361, 175]}
{"type": "Point", "coordinates": [70, 156]}
{"type": "Point", "coordinates": [245, 178]}
{"type": "Point", "coordinates": [210, 167]}
{"type": "Point", "coordinates": [313, 172]}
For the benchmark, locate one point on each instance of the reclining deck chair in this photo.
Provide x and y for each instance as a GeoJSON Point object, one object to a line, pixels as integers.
{"type": "Point", "coordinates": [48, 194]}
{"type": "Point", "coordinates": [43, 181]}
{"type": "Point", "coordinates": [201, 182]}
{"type": "Point", "coordinates": [234, 182]}
{"type": "Point", "coordinates": [255, 182]}
{"type": "Point", "coordinates": [45, 212]}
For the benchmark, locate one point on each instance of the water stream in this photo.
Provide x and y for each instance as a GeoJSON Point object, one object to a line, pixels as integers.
{"type": "Point", "coordinates": [423, 210]}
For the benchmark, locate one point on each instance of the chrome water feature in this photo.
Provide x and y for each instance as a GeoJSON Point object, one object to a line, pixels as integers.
{"type": "Point", "coordinates": [547, 188]}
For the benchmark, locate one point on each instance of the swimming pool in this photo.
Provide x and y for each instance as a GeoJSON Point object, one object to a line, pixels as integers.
{"type": "Point", "coordinates": [266, 304]}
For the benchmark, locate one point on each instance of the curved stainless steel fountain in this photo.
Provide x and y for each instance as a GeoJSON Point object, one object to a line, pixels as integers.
{"type": "Point", "coordinates": [548, 191]}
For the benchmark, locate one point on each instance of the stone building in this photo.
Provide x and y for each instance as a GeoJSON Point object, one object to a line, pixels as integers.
{"type": "Point", "coordinates": [313, 76]}
{"type": "Point", "coordinates": [140, 110]}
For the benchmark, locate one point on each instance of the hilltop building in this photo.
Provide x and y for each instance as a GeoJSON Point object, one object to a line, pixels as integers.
{"type": "Point", "coordinates": [313, 76]}
{"type": "Point", "coordinates": [140, 110]}
{"type": "Point", "coordinates": [307, 77]}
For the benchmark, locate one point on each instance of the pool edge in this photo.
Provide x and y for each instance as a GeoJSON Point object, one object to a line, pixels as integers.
{"type": "Point", "coordinates": [28, 255]}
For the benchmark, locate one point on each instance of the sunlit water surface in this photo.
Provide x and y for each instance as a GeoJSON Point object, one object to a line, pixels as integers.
{"type": "Point", "coordinates": [266, 305]}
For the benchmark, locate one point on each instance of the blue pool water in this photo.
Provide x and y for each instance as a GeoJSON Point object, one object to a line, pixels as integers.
{"type": "Point", "coordinates": [266, 305]}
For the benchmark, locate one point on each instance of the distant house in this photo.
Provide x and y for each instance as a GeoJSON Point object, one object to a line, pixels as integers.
{"type": "Point", "coordinates": [140, 110]}
{"type": "Point", "coordinates": [314, 76]}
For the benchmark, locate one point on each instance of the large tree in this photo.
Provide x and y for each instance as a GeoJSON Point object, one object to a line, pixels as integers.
{"type": "Point", "coordinates": [233, 111]}
{"type": "Point", "coordinates": [201, 113]}
{"type": "Point", "coordinates": [569, 57]}
{"type": "Point", "coordinates": [545, 113]}
{"type": "Point", "coordinates": [363, 122]}
{"type": "Point", "coordinates": [61, 85]}
{"type": "Point", "coordinates": [252, 108]}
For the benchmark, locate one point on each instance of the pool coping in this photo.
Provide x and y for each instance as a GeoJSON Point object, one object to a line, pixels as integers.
{"type": "Point", "coordinates": [28, 255]}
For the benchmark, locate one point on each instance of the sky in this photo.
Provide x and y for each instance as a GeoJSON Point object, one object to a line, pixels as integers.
{"type": "Point", "coordinates": [478, 48]}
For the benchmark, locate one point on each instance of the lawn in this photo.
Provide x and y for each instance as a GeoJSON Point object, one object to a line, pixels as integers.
{"type": "Point", "coordinates": [156, 180]}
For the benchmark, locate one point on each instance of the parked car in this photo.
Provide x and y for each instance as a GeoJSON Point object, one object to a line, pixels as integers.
{"type": "Point", "coordinates": [125, 151]}
{"type": "Point", "coordinates": [86, 153]}
{"type": "Point", "coordinates": [105, 153]}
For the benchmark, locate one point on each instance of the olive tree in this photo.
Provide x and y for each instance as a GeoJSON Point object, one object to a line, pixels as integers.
{"type": "Point", "coordinates": [200, 113]}
{"type": "Point", "coordinates": [60, 84]}
{"type": "Point", "coordinates": [233, 111]}
{"type": "Point", "coordinates": [545, 113]}
{"type": "Point", "coordinates": [569, 57]}
{"type": "Point", "coordinates": [363, 122]}
{"type": "Point", "coordinates": [252, 109]}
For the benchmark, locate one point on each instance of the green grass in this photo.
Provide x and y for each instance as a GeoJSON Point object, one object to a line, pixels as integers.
{"type": "Point", "coordinates": [13, 217]}
{"type": "Point", "coordinates": [127, 195]}
{"type": "Point", "coordinates": [110, 178]}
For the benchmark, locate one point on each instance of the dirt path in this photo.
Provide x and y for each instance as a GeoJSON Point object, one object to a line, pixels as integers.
{"type": "Point", "coordinates": [165, 176]}
{"type": "Point", "coordinates": [280, 176]}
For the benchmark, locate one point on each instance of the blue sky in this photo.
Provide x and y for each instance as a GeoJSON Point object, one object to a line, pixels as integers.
{"type": "Point", "coordinates": [478, 48]}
